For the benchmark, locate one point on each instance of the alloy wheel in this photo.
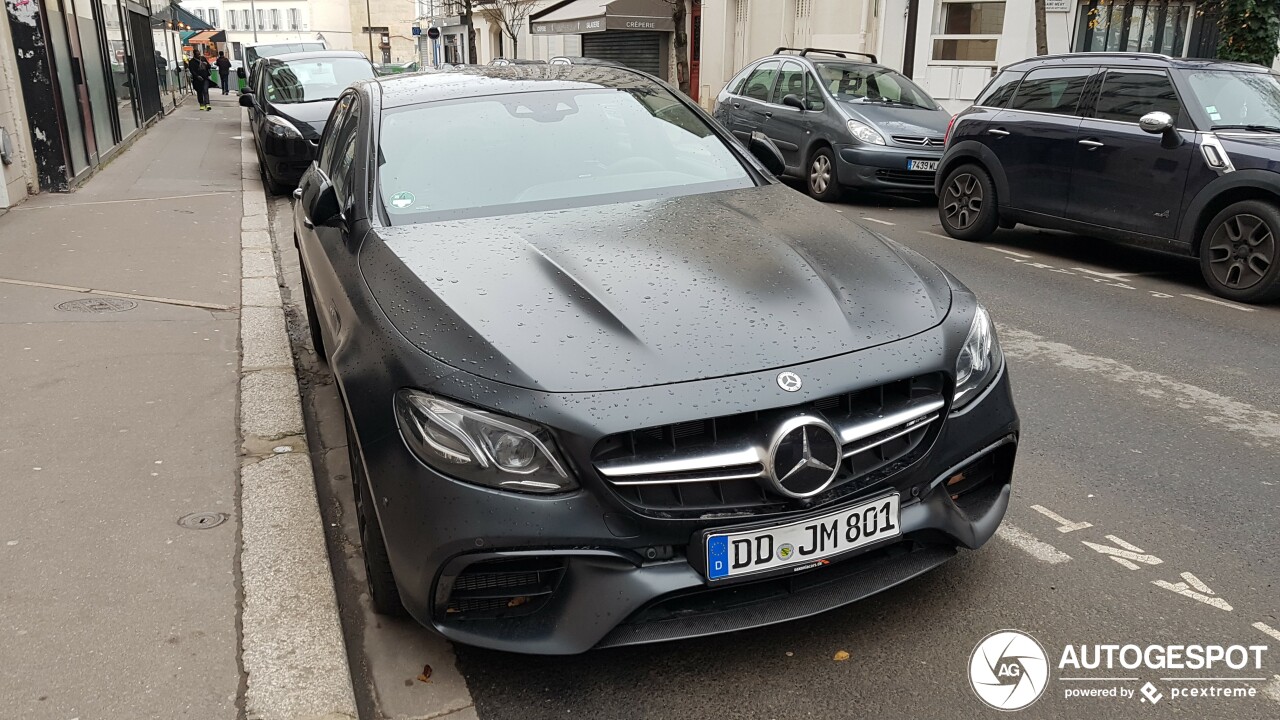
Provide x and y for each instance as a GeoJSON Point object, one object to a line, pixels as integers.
{"type": "Point", "coordinates": [820, 174]}
{"type": "Point", "coordinates": [962, 201]}
{"type": "Point", "coordinates": [1241, 251]}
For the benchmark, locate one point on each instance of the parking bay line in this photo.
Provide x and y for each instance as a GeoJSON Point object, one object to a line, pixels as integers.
{"type": "Point", "coordinates": [1007, 252]}
{"type": "Point", "coordinates": [1028, 543]}
{"type": "Point", "coordinates": [1216, 301]}
{"type": "Point", "coordinates": [877, 220]}
{"type": "Point", "coordinates": [1267, 629]}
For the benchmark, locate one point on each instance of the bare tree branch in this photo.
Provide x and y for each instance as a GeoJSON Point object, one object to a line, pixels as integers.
{"type": "Point", "coordinates": [509, 16]}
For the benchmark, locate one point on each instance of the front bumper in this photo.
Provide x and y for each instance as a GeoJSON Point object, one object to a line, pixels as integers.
{"type": "Point", "coordinates": [884, 167]}
{"type": "Point", "coordinates": [287, 158]}
{"type": "Point", "coordinates": [612, 576]}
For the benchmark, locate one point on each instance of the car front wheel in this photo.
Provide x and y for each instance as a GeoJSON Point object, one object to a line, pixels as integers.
{"type": "Point", "coordinates": [1240, 252]}
{"type": "Point", "coordinates": [967, 204]}
{"type": "Point", "coordinates": [821, 179]}
{"type": "Point", "coordinates": [384, 594]}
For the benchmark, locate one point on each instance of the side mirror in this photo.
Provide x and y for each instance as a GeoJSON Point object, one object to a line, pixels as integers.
{"type": "Point", "coordinates": [246, 99]}
{"type": "Point", "coordinates": [322, 207]}
{"type": "Point", "coordinates": [1161, 123]}
{"type": "Point", "coordinates": [792, 100]}
{"type": "Point", "coordinates": [767, 153]}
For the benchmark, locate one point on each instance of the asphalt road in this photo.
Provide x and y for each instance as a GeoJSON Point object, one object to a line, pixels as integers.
{"type": "Point", "coordinates": [1144, 512]}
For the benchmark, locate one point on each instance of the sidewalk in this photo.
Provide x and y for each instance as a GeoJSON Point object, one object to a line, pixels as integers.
{"type": "Point", "coordinates": [120, 525]}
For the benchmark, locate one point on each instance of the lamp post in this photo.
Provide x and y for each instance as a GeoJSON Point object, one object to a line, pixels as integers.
{"type": "Point", "coordinates": [368, 27]}
{"type": "Point", "coordinates": [253, 20]}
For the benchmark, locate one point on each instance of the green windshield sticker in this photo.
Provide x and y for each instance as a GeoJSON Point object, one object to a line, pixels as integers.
{"type": "Point", "coordinates": [402, 199]}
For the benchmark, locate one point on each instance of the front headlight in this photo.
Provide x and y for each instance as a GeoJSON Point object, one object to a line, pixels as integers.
{"type": "Point", "coordinates": [282, 128]}
{"type": "Point", "coordinates": [481, 447]}
{"type": "Point", "coordinates": [865, 133]}
{"type": "Point", "coordinates": [979, 360]}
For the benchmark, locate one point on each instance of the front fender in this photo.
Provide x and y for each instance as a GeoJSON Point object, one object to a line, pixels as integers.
{"type": "Point", "coordinates": [967, 151]}
{"type": "Point", "coordinates": [1251, 179]}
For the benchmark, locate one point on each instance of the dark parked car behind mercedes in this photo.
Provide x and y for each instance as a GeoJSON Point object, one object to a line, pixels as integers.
{"type": "Point", "coordinates": [1177, 155]}
{"type": "Point", "coordinates": [840, 122]}
{"type": "Point", "coordinates": [289, 104]}
{"type": "Point", "coordinates": [607, 382]}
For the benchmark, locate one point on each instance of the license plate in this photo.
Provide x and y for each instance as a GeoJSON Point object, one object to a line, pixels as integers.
{"type": "Point", "coordinates": [802, 543]}
{"type": "Point", "coordinates": [929, 165]}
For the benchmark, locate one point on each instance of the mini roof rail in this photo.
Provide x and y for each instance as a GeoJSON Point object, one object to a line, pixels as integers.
{"type": "Point", "coordinates": [838, 53]}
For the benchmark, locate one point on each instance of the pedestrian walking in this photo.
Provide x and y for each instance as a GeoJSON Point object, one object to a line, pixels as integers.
{"type": "Point", "coordinates": [224, 72]}
{"type": "Point", "coordinates": [199, 69]}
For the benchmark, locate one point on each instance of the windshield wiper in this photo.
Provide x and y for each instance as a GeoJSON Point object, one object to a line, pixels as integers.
{"type": "Point", "coordinates": [1255, 128]}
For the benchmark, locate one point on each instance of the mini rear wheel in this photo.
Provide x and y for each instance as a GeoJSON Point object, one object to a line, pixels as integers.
{"type": "Point", "coordinates": [967, 204]}
{"type": "Point", "coordinates": [1240, 252]}
{"type": "Point", "coordinates": [821, 179]}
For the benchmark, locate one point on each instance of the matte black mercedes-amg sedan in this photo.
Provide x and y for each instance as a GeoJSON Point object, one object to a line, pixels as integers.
{"type": "Point", "coordinates": [608, 382]}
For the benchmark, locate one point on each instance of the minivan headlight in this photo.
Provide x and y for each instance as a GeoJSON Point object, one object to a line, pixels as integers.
{"type": "Point", "coordinates": [979, 360]}
{"type": "Point", "coordinates": [479, 446]}
{"type": "Point", "coordinates": [865, 133]}
{"type": "Point", "coordinates": [282, 128]}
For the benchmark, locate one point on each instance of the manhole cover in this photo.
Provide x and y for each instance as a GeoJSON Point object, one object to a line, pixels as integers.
{"type": "Point", "coordinates": [202, 520]}
{"type": "Point", "coordinates": [97, 305]}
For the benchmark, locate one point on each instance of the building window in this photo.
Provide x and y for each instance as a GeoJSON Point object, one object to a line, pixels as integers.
{"type": "Point", "coordinates": [967, 32]}
{"type": "Point", "coordinates": [262, 19]}
{"type": "Point", "coordinates": [244, 16]}
{"type": "Point", "coordinates": [213, 17]}
{"type": "Point", "coordinates": [295, 19]}
{"type": "Point", "coordinates": [199, 13]}
{"type": "Point", "coordinates": [1158, 26]}
{"type": "Point", "coordinates": [802, 8]}
{"type": "Point", "coordinates": [275, 18]}
{"type": "Point", "coordinates": [231, 20]}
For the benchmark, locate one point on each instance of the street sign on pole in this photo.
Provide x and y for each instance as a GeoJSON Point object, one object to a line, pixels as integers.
{"type": "Point", "coordinates": [433, 33]}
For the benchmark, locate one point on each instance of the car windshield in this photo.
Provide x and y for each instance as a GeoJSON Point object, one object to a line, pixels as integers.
{"type": "Point", "coordinates": [854, 82]}
{"type": "Point", "coordinates": [300, 81]}
{"type": "Point", "coordinates": [1239, 99]}
{"type": "Point", "coordinates": [504, 154]}
{"type": "Point", "coordinates": [261, 51]}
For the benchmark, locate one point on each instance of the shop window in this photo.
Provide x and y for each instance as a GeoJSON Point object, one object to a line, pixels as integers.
{"type": "Point", "coordinates": [1155, 26]}
{"type": "Point", "coordinates": [967, 32]}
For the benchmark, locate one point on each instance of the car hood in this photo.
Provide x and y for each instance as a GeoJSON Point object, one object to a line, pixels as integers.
{"type": "Point", "coordinates": [308, 117]}
{"type": "Point", "coordinates": [900, 120]}
{"type": "Point", "coordinates": [648, 293]}
{"type": "Point", "coordinates": [1251, 149]}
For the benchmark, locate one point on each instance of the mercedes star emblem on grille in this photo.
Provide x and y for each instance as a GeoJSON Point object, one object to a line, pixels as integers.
{"type": "Point", "coordinates": [789, 381]}
{"type": "Point", "coordinates": [805, 457]}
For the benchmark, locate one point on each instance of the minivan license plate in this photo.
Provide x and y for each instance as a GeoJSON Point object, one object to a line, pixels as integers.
{"type": "Point", "coordinates": [928, 165]}
{"type": "Point", "coordinates": [803, 542]}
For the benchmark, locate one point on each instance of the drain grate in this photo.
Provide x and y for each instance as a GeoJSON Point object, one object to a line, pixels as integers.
{"type": "Point", "coordinates": [202, 520]}
{"type": "Point", "coordinates": [97, 305]}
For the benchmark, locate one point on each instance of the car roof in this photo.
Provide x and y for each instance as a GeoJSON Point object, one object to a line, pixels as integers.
{"type": "Point", "coordinates": [314, 55]}
{"type": "Point", "coordinates": [822, 57]}
{"type": "Point", "coordinates": [481, 80]}
{"type": "Point", "coordinates": [1139, 60]}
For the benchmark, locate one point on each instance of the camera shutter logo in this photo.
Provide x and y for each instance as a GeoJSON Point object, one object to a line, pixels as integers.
{"type": "Point", "coordinates": [1008, 670]}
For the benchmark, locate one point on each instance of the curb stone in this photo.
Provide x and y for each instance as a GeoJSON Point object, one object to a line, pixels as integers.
{"type": "Point", "coordinates": [292, 648]}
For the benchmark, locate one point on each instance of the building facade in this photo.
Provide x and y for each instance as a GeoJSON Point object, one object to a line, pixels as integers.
{"type": "Point", "coordinates": [249, 22]}
{"type": "Point", "coordinates": [383, 30]}
{"type": "Point", "coordinates": [79, 79]}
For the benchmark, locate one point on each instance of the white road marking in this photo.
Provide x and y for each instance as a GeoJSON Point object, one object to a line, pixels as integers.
{"type": "Point", "coordinates": [1216, 301]}
{"type": "Point", "coordinates": [1272, 689]}
{"type": "Point", "coordinates": [882, 222]}
{"type": "Point", "coordinates": [1127, 554]}
{"type": "Point", "coordinates": [1216, 679]}
{"type": "Point", "coordinates": [1267, 629]}
{"type": "Point", "coordinates": [934, 234]}
{"type": "Point", "coordinates": [1025, 541]}
{"type": "Point", "coordinates": [1245, 420]}
{"type": "Point", "coordinates": [1109, 276]}
{"type": "Point", "coordinates": [1008, 252]}
{"type": "Point", "coordinates": [1093, 679]}
{"type": "Point", "coordinates": [1184, 589]}
{"type": "Point", "coordinates": [1065, 525]}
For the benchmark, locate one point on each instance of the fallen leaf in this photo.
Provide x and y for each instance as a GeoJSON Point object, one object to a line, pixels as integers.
{"type": "Point", "coordinates": [841, 656]}
{"type": "Point", "coordinates": [517, 601]}
{"type": "Point", "coordinates": [426, 674]}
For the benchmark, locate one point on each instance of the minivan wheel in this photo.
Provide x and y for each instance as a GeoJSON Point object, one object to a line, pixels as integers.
{"type": "Point", "coordinates": [821, 179]}
{"type": "Point", "coordinates": [967, 204]}
{"type": "Point", "coordinates": [384, 594]}
{"type": "Point", "coordinates": [1240, 252]}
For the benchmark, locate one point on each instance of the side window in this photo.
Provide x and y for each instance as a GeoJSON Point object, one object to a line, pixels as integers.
{"type": "Point", "coordinates": [344, 153]}
{"type": "Point", "coordinates": [1127, 95]}
{"type": "Point", "coordinates": [760, 83]}
{"type": "Point", "coordinates": [999, 90]}
{"type": "Point", "coordinates": [735, 85]}
{"type": "Point", "coordinates": [1051, 90]}
{"type": "Point", "coordinates": [327, 141]}
{"type": "Point", "coordinates": [813, 93]}
{"type": "Point", "coordinates": [790, 82]}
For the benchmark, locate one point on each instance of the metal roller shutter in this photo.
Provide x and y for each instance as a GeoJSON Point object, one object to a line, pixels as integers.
{"type": "Point", "coordinates": [637, 50]}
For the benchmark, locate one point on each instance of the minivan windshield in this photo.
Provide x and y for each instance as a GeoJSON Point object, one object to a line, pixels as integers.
{"type": "Point", "coordinates": [856, 82]}
{"type": "Point", "coordinates": [523, 152]}
{"type": "Point", "coordinates": [1237, 99]}
{"type": "Point", "coordinates": [300, 81]}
